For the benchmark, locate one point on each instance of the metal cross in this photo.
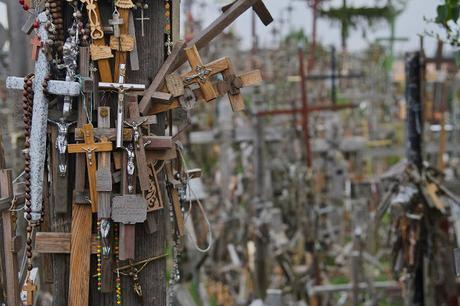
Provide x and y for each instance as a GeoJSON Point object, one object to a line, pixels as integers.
{"type": "Point", "coordinates": [116, 21]}
{"type": "Point", "coordinates": [122, 88]}
{"type": "Point", "coordinates": [142, 6]}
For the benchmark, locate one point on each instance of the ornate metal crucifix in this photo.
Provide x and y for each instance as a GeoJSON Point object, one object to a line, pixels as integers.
{"type": "Point", "coordinates": [122, 88]}
{"type": "Point", "coordinates": [61, 143]}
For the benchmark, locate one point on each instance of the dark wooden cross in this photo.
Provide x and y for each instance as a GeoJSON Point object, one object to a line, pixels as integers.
{"type": "Point", "coordinates": [306, 109]}
{"type": "Point", "coordinates": [89, 147]}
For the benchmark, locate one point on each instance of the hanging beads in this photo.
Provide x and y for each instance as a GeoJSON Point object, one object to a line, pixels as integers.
{"type": "Point", "coordinates": [99, 257]}
{"type": "Point", "coordinates": [117, 279]}
{"type": "Point", "coordinates": [167, 28]}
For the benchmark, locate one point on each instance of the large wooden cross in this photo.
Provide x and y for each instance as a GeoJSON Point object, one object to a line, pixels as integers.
{"type": "Point", "coordinates": [178, 56]}
{"type": "Point", "coordinates": [201, 75]}
{"type": "Point", "coordinates": [99, 51]}
{"type": "Point", "coordinates": [90, 147]}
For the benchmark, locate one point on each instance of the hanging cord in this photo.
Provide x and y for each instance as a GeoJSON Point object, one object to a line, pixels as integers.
{"type": "Point", "coordinates": [210, 238]}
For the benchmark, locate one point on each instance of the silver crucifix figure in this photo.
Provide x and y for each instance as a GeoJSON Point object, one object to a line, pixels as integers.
{"type": "Point", "coordinates": [69, 55]}
{"type": "Point", "coordinates": [135, 125]}
{"type": "Point", "coordinates": [130, 167]}
{"type": "Point", "coordinates": [61, 143]}
{"type": "Point", "coordinates": [122, 88]}
{"type": "Point", "coordinates": [40, 117]}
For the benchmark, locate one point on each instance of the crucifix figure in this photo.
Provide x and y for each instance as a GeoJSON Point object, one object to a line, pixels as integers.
{"type": "Point", "coordinates": [142, 6]}
{"type": "Point", "coordinates": [122, 88]}
{"type": "Point", "coordinates": [61, 143]}
{"type": "Point", "coordinates": [40, 116]}
{"type": "Point", "coordinates": [89, 147]}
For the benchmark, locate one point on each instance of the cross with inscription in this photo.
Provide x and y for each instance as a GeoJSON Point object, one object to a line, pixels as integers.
{"type": "Point", "coordinates": [89, 147]}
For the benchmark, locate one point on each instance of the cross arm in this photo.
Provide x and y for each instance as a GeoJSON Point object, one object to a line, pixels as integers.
{"type": "Point", "coordinates": [63, 88]}
{"type": "Point", "coordinates": [178, 57]}
{"type": "Point", "coordinates": [260, 9]}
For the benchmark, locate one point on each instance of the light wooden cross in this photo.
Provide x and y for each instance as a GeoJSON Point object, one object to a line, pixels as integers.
{"type": "Point", "coordinates": [90, 148]}
{"type": "Point", "coordinates": [178, 57]}
{"type": "Point", "coordinates": [201, 74]}
{"type": "Point", "coordinates": [29, 288]}
{"type": "Point", "coordinates": [122, 88]}
{"type": "Point", "coordinates": [231, 84]}
{"type": "Point", "coordinates": [99, 51]}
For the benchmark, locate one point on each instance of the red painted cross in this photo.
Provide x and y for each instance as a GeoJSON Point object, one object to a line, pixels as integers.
{"type": "Point", "coordinates": [36, 44]}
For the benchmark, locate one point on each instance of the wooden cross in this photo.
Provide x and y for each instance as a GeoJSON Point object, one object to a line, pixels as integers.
{"type": "Point", "coordinates": [122, 88]}
{"type": "Point", "coordinates": [178, 56]}
{"type": "Point", "coordinates": [99, 51]}
{"type": "Point", "coordinates": [30, 288]}
{"type": "Point", "coordinates": [230, 85]}
{"type": "Point", "coordinates": [135, 121]}
{"type": "Point", "coordinates": [89, 147]}
{"type": "Point", "coordinates": [202, 73]}
{"type": "Point", "coordinates": [123, 43]}
{"type": "Point", "coordinates": [36, 45]}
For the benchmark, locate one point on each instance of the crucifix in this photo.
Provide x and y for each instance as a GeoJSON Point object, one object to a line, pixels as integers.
{"type": "Point", "coordinates": [122, 88]}
{"type": "Point", "coordinates": [40, 116]}
{"type": "Point", "coordinates": [90, 148]}
{"type": "Point", "coordinates": [178, 56]}
{"type": "Point", "coordinates": [142, 6]}
{"type": "Point", "coordinates": [231, 85]}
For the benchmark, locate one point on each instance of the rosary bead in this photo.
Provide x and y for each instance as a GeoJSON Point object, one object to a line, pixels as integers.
{"type": "Point", "coordinates": [21, 2]}
{"type": "Point", "coordinates": [29, 267]}
{"type": "Point", "coordinates": [25, 7]}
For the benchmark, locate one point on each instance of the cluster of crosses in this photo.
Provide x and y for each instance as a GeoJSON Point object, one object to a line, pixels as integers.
{"type": "Point", "coordinates": [130, 145]}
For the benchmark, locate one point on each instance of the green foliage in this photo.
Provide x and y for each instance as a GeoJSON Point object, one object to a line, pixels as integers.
{"type": "Point", "coordinates": [447, 16]}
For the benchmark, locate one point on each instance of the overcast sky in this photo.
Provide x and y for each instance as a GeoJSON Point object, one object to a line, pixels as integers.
{"type": "Point", "coordinates": [410, 23]}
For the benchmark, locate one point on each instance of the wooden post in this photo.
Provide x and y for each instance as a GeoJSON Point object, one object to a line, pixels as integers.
{"type": "Point", "coordinates": [151, 55]}
{"type": "Point", "coordinates": [9, 236]}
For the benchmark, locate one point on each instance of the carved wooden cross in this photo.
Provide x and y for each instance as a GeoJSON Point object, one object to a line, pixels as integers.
{"type": "Point", "coordinates": [99, 51]}
{"type": "Point", "coordinates": [231, 84]}
{"type": "Point", "coordinates": [178, 57]}
{"type": "Point", "coordinates": [90, 148]}
{"type": "Point", "coordinates": [122, 88]}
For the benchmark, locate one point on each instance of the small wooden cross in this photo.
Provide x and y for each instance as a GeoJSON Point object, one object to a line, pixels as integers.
{"type": "Point", "coordinates": [90, 148]}
{"type": "Point", "coordinates": [30, 288]}
{"type": "Point", "coordinates": [36, 44]}
{"type": "Point", "coordinates": [135, 121]}
{"type": "Point", "coordinates": [202, 73]}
